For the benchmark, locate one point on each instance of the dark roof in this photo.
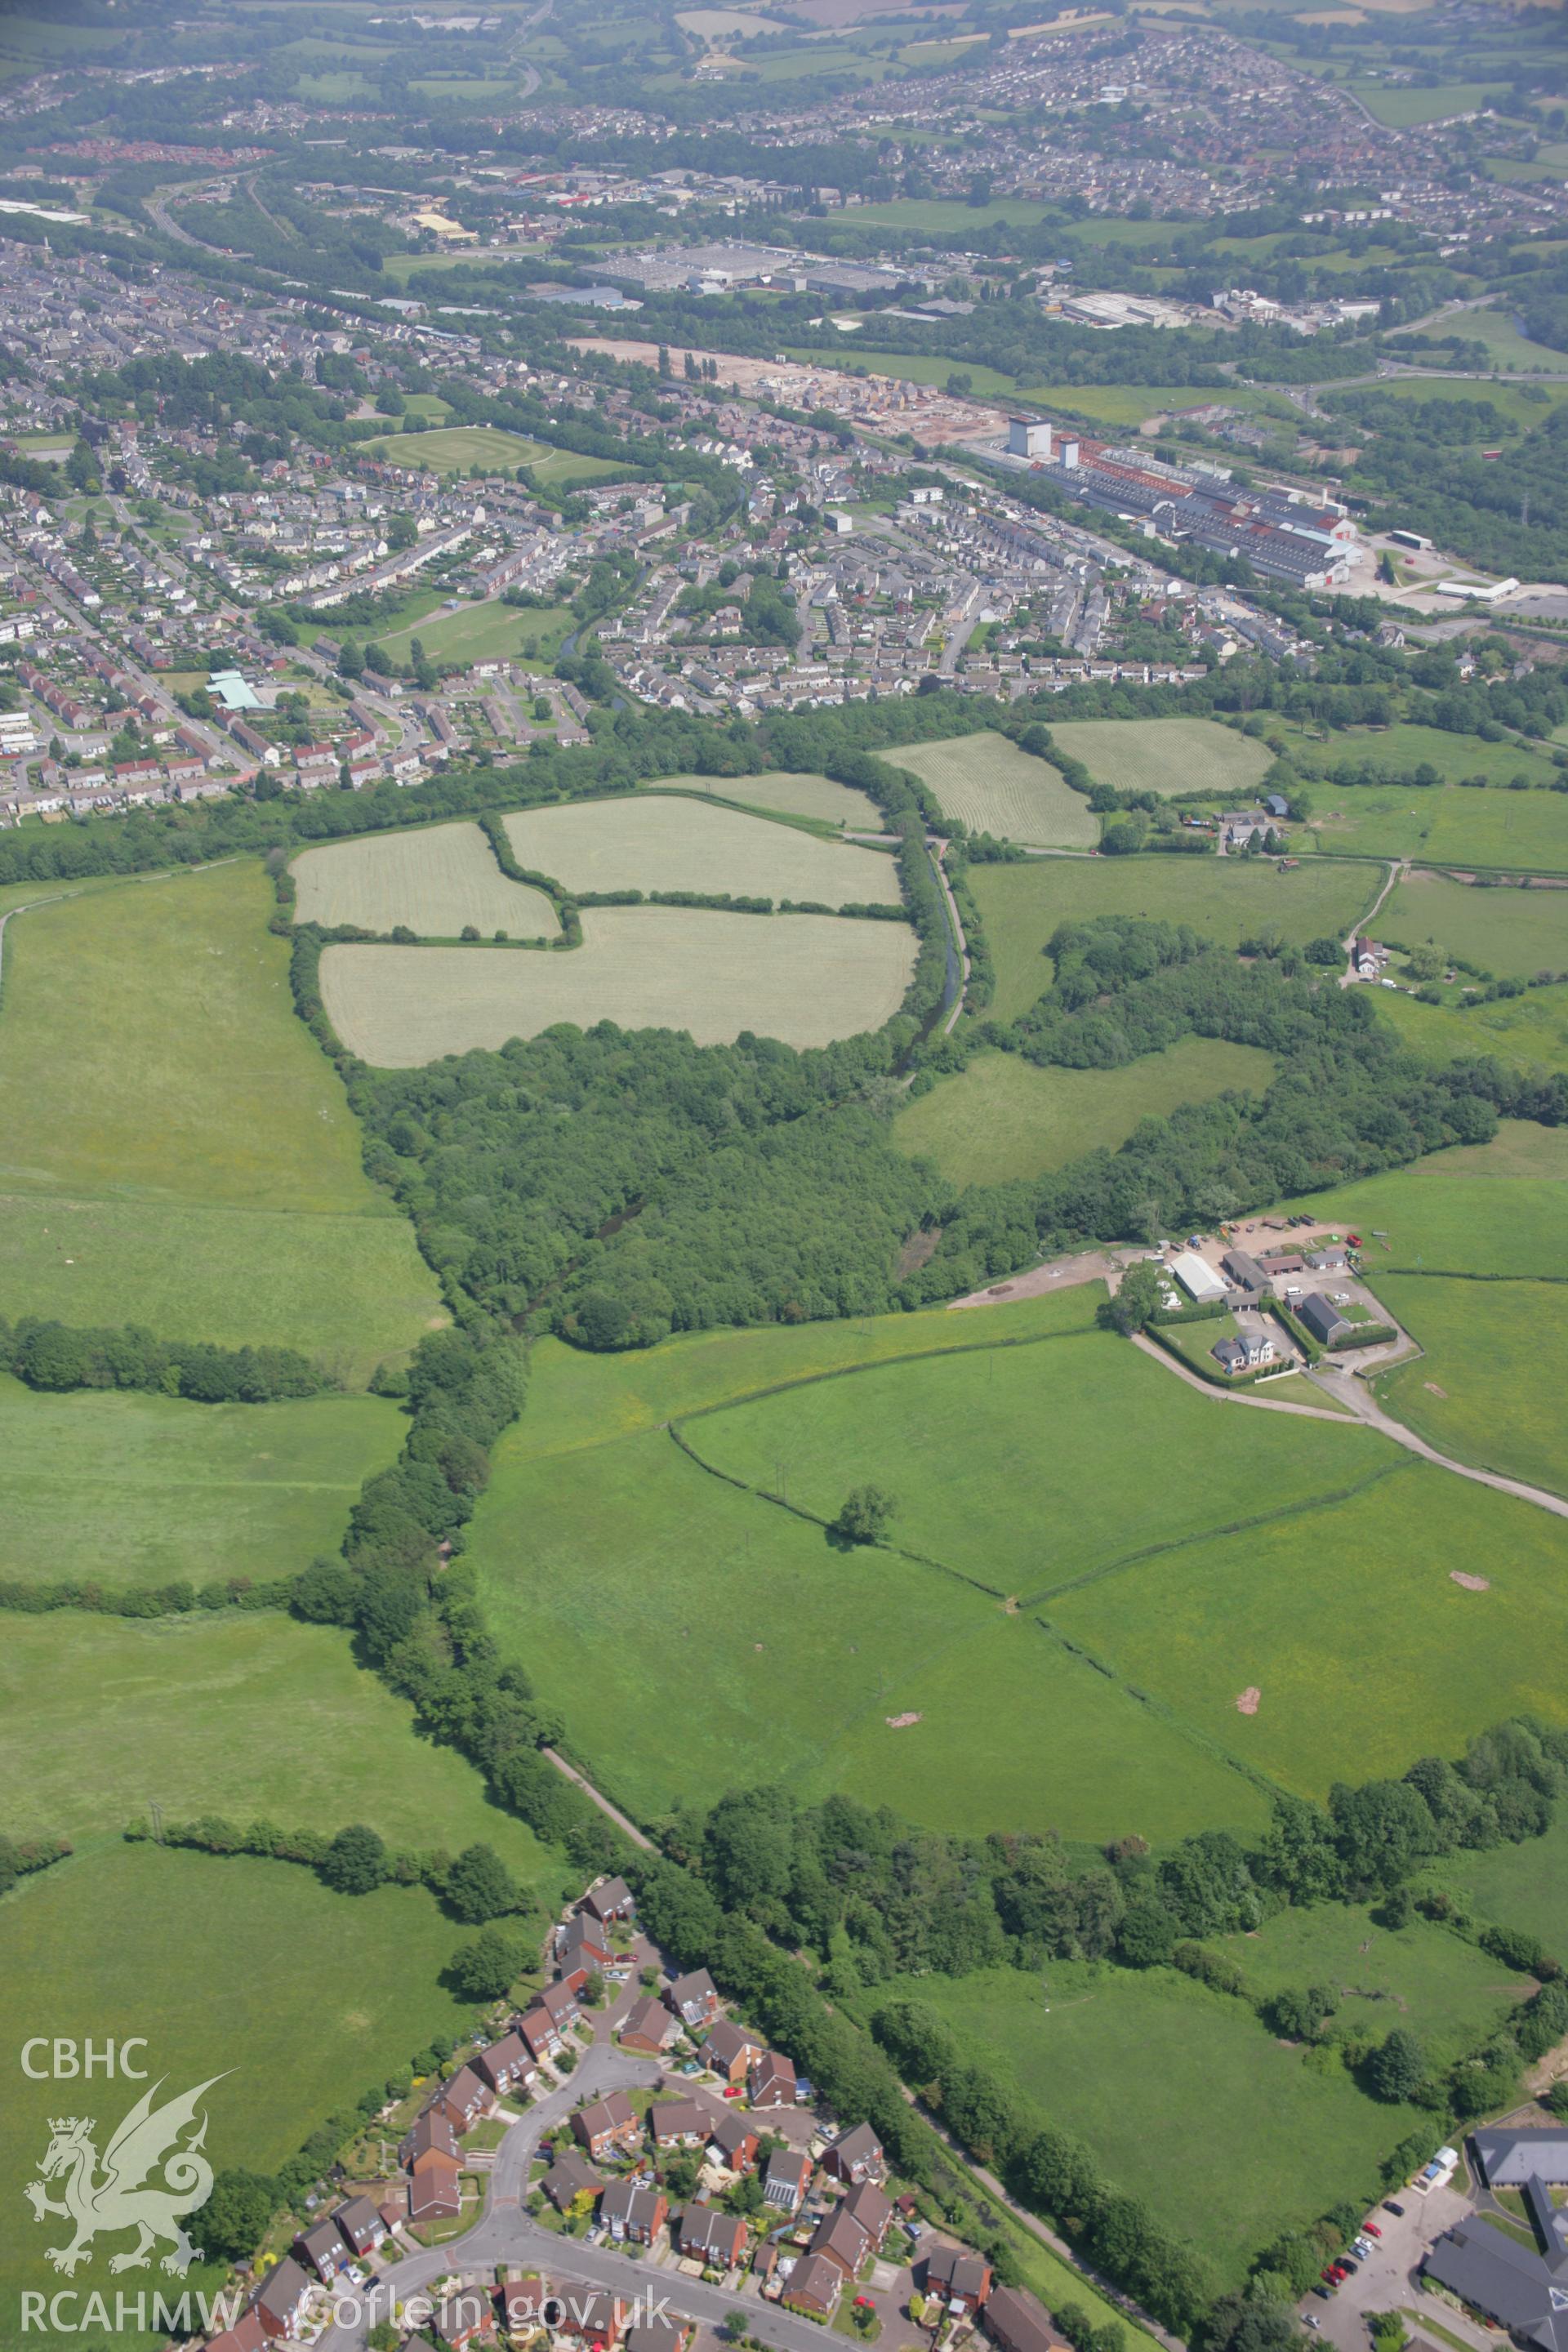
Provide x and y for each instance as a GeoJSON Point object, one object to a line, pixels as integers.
{"type": "Point", "coordinates": [567, 2177]}
{"type": "Point", "coordinates": [1504, 2278]}
{"type": "Point", "coordinates": [613, 1894]}
{"type": "Point", "coordinates": [1018, 2323]}
{"type": "Point", "coordinates": [726, 2041]}
{"type": "Point", "coordinates": [680, 2119]}
{"type": "Point", "coordinates": [280, 2291]}
{"type": "Point", "coordinates": [652, 2020]}
{"type": "Point", "coordinates": [1508, 2159]}
{"type": "Point", "coordinates": [867, 2205]}
{"type": "Point", "coordinates": [628, 2201]}
{"type": "Point", "coordinates": [814, 2277]}
{"type": "Point", "coordinates": [358, 2215]}
{"type": "Point", "coordinates": [957, 2269]}
{"type": "Point", "coordinates": [614, 2112]}
{"type": "Point", "coordinates": [859, 2146]}
{"type": "Point", "coordinates": [1322, 1317]}
{"type": "Point", "coordinates": [704, 2226]}
{"type": "Point", "coordinates": [732, 2131]}
{"type": "Point", "coordinates": [696, 1985]}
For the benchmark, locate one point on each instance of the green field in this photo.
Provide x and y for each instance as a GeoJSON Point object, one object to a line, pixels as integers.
{"type": "Point", "coordinates": [436, 880]}
{"type": "Point", "coordinates": [487, 632]}
{"type": "Point", "coordinates": [122, 1489]}
{"type": "Point", "coordinates": [1228, 900]}
{"type": "Point", "coordinates": [303, 1998]}
{"type": "Point", "coordinates": [1528, 1032]}
{"type": "Point", "coordinates": [593, 1506]}
{"type": "Point", "coordinates": [178, 1151]}
{"type": "Point", "coordinates": [788, 794]}
{"type": "Point", "coordinates": [1490, 1385]}
{"type": "Point", "coordinates": [1510, 933]}
{"type": "Point", "coordinates": [808, 979]}
{"type": "Point", "coordinates": [1164, 755]}
{"type": "Point", "coordinates": [1523, 1885]}
{"type": "Point", "coordinates": [1186, 2100]}
{"type": "Point", "coordinates": [991, 786]}
{"type": "Point", "coordinates": [1442, 825]}
{"type": "Point", "coordinates": [1402, 106]}
{"type": "Point", "coordinates": [248, 1714]}
{"type": "Point", "coordinates": [453, 448]}
{"type": "Point", "coordinates": [1449, 1994]}
{"type": "Point", "coordinates": [1449, 1212]}
{"type": "Point", "coordinates": [667, 842]}
{"type": "Point", "coordinates": [1284, 1609]}
{"type": "Point", "coordinates": [1508, 348]}
{"type": "Point", "coordinates": [1005, 1119]}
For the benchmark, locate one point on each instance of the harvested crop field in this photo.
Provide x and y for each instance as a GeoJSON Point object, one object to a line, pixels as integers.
{"type": "Point", "coordinates": [790, 793]}
{"type": "Point", "coordinates": [1164, 755]}
{"type": "Point", "coordinates": [437, 880]}
{"type": "Point", "coordinates": [993, 787]}
{"type": "Point", "coordinates": [806, 979]}
{"type": "Point", "coordinates": [669, 842]}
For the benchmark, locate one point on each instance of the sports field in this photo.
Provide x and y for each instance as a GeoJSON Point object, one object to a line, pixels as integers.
{"type": "Point", "coordinates": [1353, 1671]}
{"type": "Point", "coordinates": [437, 880]}
{"type": "Point", "coordinates": [806, 979]}
{"type": "Point", "coordinates": [304, 2000]}
{"type": "Point", "coordinates": [667, 842]}
{"type": "Point", "coordinates": [251, 1715]}
{"type": "Point", "coordinates": [121, 1488]}
{"type": "Point", "coordinates": [453, 448]}
{"type": "Point", "coordinates": [1528, 1032]}
{"type": "Point", "coordinates": [492, 631]}
{"type": "Point", "coordinates": [991, 786]}
{"type": "Point", "coordinates": [592, 1506]}
{"type": "Point", "coordinates": [791, 794]}
{"type": "Point", "coordinates": [1143, 2064]}
{"type": "Point", "coordinates": [1164, 755]}
{"type": "Point", "coordinates": [178, 1150]}
{"type": "Point", "coordinates": [1004, 1120]}
{"type": "Point", "coordinates": [1511, 933]}
{"type": "Point", "coordinates": [1228, 900]}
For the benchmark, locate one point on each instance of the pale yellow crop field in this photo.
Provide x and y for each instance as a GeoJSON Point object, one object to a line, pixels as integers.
{"type": "Point", "coordinates": [993, 787]}
{"type": "Point", "coordinates": [806, 979]}
{"type": "Point", "coordinates": [1164, 755]}
{"type": "Point", "coordinates": [437, 880]}
{"type": "Point", "coordinates": [665, 842]}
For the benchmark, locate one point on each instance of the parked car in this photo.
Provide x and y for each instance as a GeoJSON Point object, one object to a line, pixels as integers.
{"type": "Point", "coordinates": [1372, 2229]}
{"type": "Point", "coordinates": [1390, 2207]}
{"type": "Point", "coordinates": [1348, 2267]}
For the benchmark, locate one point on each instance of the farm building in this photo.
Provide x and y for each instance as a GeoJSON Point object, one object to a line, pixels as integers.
{"type": "Point", "coordinates": [1199, 1281]}
{"type": "Point", "coordinates": [1324, 1320]}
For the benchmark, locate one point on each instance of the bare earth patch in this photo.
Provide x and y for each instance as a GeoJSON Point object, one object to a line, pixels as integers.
{"type": "Point", "coordinates": [1471, 1583]}
{"type": "Point", "coordinates": [901, 1722]}
{"type": "Point", "coordinates": [1433, 1390]}
{"type": "Point", "coordinates": [1249, 1701]}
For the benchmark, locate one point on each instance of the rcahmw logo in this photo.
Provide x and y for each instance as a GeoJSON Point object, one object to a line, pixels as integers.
{"type": "Point", "coordinates": [151, 2173]}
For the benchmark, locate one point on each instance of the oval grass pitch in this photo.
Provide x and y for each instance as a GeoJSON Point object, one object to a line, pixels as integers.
{"type": "Point", "coordinates": [805, 979]}
{"type": "Point", "coordinates": [437, 880]}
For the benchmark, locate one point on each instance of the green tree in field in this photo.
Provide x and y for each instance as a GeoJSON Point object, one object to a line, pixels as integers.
{"type": "Point", "coordinates": [1397, 2068]}
{"type": "Point", "coordinates": [1324, 951]}
{"type": "Point", "coordinates": [1138, 1299]}
{"type": "Point", "coordinates": [234, 2218]}
{"type": "Point", "coordinates": [355, 1862]}
{"type": "Point", "coordinates": [1426, 962]}
{"type": "Point", "coordinates": [864, 1514]}
{"type": "Point", "coordinates": [486, 1968]}
{"type": "Point", "coordinates": [480, 1886]}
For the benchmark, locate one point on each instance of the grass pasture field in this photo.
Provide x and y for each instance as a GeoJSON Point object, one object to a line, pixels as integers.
{"type": "Point", "coordinates": [667, 842]}
{"type": "Point", "coordinates": [594, 1506]}
{"type": "Point", "coordinates": [991, 786]}
{"type": "Point", "coordinates": [1164, 755]}
{"type": "Point", "coordinates": [1228, 900]}
{"type": "Point", "coordinates": [192, 1163]}
{"type": "Point", "coordinates": [436, 880]}
{"type": "Point", "coordinates": [1003, 1119]}
{"type": "Point", "coordinates": [303, 1998]}
{"type": "Point", "coordinates": [1274, 1608]}
{"type": "Point", "coordinates": [787, 794]}
{"type": "Point", "coordinates": [1488, 1385]}
{"type": "Point", "coordinates": [1494, 1208]}
{"type": "Point", "coordinates": [1140, 2062]}
{"type": "Point", "coordinates": [247, 1713]}
{"type": "Point", "coordinates": [806, 979]}
{"type": "Point", "coordinates": [1512, 932]}
{"type": "Point", "coordinates": [123, 1488]}
{"type": "Point", "coordinates": [1523, 1885]}
{"type": "Point", "coordinates": [1529, 1032]}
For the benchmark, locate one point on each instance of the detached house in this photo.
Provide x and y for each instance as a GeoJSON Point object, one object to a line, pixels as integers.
{"type": "Point", "coordinates": [730, 2050]}
{"type": "Point", "coordinates": [633, 2214]}
{"type": "Point", "coordinates": [786, 2180]}
{"type": "Point", "coordinates": [679, 2123]}
{"type": "Point", "coordinates": [581, 1952]}
{"type": "Point", "coordinates": [814, 2286]}
{"type": "Point", "coordinates": [361, 2225]}
{"type": "Point", "coordinates": [609, 2128]}
{"type": "Point", "coordinates": [856, 2156]}
{"type": "Point", "coordinates": [464, 2099]}
{"type": "Point", "coordinates": [324, 2249]}
{"type": "Point", "coordinates": [694, 1999]}
{"type": "Point", "coordinates": [429, 2153]}
{"type": "Point", "coordinates": [839, 2239]}
{"type": "Point", "coordinates": [734, 2144]}
{"type": "Point", "coordinates": [279, 2301]}
{"type": "Point", "coordinates": [772, 2081]}
{"type": "Point", "coordinates": [610, 1899]}
{"type": "Point", "coordinates": [508, 2065]}
{"type": "Point", "coordinates": [568, 2178]}
{"type": "Point", "coordinates": [246, 2334]}
{"type": "Point", "coordinates": [1016, 2323]}
{"type": "Point", "coordinates": [962, 2279]}
{"type": "Point", "coordinates": [649, 2028]}
{"type": "Point", "coordinates": [716, 2240]}
{"type": "Point", "coordinates": [541, 2033]}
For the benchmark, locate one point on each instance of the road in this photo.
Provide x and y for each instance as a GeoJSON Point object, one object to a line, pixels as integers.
{"type": "Point", "coordinates": [596, 1797]}
{"type": "Point", "coordinates": [1398, 867]}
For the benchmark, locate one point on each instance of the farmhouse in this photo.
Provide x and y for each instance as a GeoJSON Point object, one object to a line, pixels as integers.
{"type": "Point", "coordinates": [609, 2128]}
{"type": "Point", "coordinates": [651, 2028]}
{"type": "Point", "coordinates": [694, 1999]}
{"type": "Point", "coordinates": [1323, 1321]}
{"type": "Point", "coordinates": [1243, 1352]}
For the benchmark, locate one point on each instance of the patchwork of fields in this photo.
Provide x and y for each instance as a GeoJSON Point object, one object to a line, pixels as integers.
{"type": "Point", "coordinates": [436, 881]}
{"type": "Point", "coordinates": [667, 842]}
{"type": "Point", "coordinates": [1004, 1120]}
{"type": "Point", "coordinates": [991, 786]}
{"type": "Point", "coordinates": [1164, 755]}
{"type": "Point", "coordinates": [1228, 900]}
{"type": "Point", "coordinates": [804, 978]}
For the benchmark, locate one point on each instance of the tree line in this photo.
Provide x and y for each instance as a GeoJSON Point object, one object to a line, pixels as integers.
{"type": "Point", "coordinates": [61, 1356]}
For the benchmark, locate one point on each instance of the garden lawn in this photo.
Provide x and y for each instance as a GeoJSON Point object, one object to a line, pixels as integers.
{"type": "Point", "coordinates": [437, 880]}
{"type": "Point", "coordinates": [1164, 755]}
{"type": "Point", "coordinates": [122, 1488]}
{"type": "Point", "coordinates": [1346, 1618]}
{"type": "Point", "coordinates": [1528, 1032]}
{"type": "Point", "coordinates": [806, 979]}
{"type": "Point", "coordinates": [1490, 1384]}
{"type": "Point", "coordinates": [988, 784]}
{"type": "Point", "coordinates": [248, 1714]}
{"type": "Point", "coordinates": [1447, 1993]}
{"type": "Point", "coordinates": [667, 842]}
{"type": "Point", "coordinates": [1227, 899]}
{"type": "Point", "coordinates": [1004, 1120]}
{"type": "Point", "coordinates": [788, 794]}
{"type": "Point", "coordinates": [1512, 933]}
{"type": "Point", "coordinates": [178, 1151]}
{"type": "Point", "coordinates": [303, 1998]}
{"type": "Point", "coordinates": [1024, 1468]}
{"type": "Point", "coordinates": [1187, 2102]}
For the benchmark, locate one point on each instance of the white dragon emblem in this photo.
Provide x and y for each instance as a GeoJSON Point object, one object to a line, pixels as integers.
{"type": "Point", "coordinates": [145, 2143]}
